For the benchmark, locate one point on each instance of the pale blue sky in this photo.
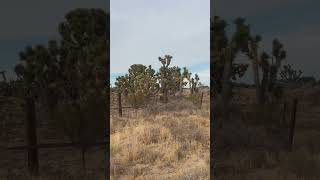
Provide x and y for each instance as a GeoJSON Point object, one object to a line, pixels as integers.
{"type": "Point", "coordinates": [143, 30]}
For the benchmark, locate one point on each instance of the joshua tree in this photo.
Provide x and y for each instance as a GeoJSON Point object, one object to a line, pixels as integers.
{"type": "Point", "coordinates": [224, 52]}
{"type": "Point", "coordinates": [164, 75]}
{"type": "Point", "coordinates": [172, 79]}
{"type": "Point", "coordinates": [288, 74]}
{"type": "Point", "coordinates": [270, 70]}
{"type": "Point", "coordinates": [194, 84]}
{"type": "Point", "coordinates": [71, 72]}
{"type": "Point", "coordinates": [253, 55]}
{"type": "Point", "coordinates": [142, 82]}
{"type": "Point", "coordinates": [139, 84]}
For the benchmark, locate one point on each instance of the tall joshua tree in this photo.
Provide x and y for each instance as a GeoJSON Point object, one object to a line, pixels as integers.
{"type": "Point", "coordinates": [224, 52]}
{"type": "Point", "coordinates": [73, 70]}
{"type": "Point", "coordinates": [164, 74]}
{"type": "Point", "coordinates": [223, 68]}
{"type": "Point", "coordinates": [270, 70]}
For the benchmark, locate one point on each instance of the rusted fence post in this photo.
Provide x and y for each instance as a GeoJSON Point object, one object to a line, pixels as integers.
{"type": "Point", "coordinates": [201, 99]}
{"type": "Point", "coordinates": [293, 123]}
{"type": "Point", "coordinates": [31, 132]}
{"type": "Point", "coordinates": [120, 105]}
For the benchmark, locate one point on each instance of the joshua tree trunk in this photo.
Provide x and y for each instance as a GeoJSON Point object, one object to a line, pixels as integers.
{"type": "Point", "coordinates": [181, 88]}
{"type": "Point", "coordinates": [165, 94]}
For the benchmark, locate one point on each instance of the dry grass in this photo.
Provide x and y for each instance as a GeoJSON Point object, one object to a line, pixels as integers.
{"type": "Point", "coordinates": [161, 142]}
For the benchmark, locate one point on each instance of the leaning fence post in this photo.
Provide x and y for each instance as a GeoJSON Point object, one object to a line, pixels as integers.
{"type": "Point", "coordinates": [31, 132]}
{"type": "Point", "coordinates": [293, 123]}
{"type": "Point", "coordinates": [120, 105]}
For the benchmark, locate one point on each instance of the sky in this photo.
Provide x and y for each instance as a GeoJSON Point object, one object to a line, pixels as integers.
{"type": "Point", "coordinates": [294, 22]}
{"type": "Point", "coordinates": [33, 22]}
{"type": "Point", "coordinates": [143, 30]}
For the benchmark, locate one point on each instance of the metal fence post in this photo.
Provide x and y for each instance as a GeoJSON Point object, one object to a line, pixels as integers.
{"type": "Point", "coordinates": [293, 123]}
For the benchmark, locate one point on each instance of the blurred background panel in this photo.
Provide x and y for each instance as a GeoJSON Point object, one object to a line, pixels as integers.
{"type": "Point", "coordinates": [54, 64]}
{"type": "Point", "coordinates": [265, 89]}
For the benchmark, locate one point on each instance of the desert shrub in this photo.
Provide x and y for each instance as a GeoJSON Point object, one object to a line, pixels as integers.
{"type": "Point", "coordinates": [195, 98]}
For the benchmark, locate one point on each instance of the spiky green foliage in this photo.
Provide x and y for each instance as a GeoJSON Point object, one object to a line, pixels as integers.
{"type": "Point", "coordinates": [141, 82]}
{"type": "Point", "coordinates": [138, 85]}
{"type": "Point", "coordinates": [170, 78]}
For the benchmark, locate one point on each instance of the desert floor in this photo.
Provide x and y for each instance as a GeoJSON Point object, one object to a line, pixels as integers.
{"type": "Point", "coordinates": [253, 144]}
{"type": "Point", "coordinates": [162, 141]}
{"type": "Point", "coordinates": [54, 163]}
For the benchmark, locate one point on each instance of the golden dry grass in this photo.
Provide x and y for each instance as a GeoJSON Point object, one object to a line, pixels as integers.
{"type": "Point", "coordinates": [171, 142]}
